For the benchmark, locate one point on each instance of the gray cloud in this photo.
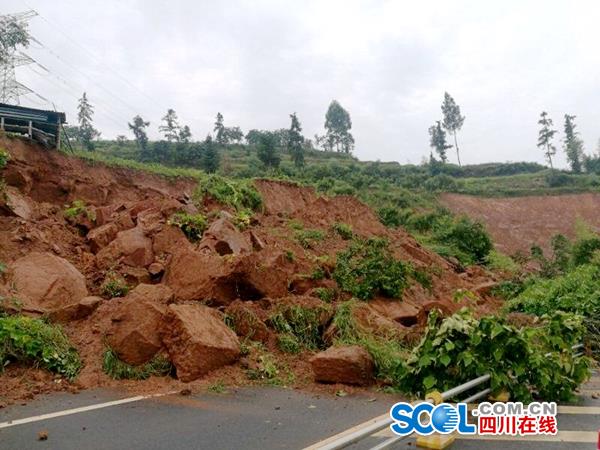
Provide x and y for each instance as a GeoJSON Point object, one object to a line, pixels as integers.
{"type": "Point", "coordinates": [387, 62]}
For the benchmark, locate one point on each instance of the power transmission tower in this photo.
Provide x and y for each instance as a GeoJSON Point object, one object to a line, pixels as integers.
{"type": "Point", "coordinates": [10, 88]}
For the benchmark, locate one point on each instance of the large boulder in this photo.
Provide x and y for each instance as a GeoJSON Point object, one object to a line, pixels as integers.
{"type": "Point", "coordinates": [101, 236]}
{"type": "Point", "coordinates": [134, 334]}
{"type": "Point", "coordinates": [198, 341]}
{"type": "Point", "coordinates": [131, 247]}
{"type": "Point", "coordinates": [350, 364]}
{"type": "Point", "coordinates": [76, 311]}
{"type": "Point", "coordinates": [45, 281]}
{"type": "Point", "coordinates": [170, 240]}
{"type": "Point", "coordinates": [247, 321]}
{"type": "Point", "coordinates": [191, 274]}
{"type": "Point", "coordinates": [225, 239]}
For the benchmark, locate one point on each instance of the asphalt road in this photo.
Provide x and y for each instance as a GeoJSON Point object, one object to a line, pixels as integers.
{"type": "Point", "coordinates": [252, 418]}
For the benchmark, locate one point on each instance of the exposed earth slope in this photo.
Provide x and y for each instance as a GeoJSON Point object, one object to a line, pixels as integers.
{"type": "Point", "coordinates": [517, 223]}
{"type": "Point", "coordinates": [181, 293]}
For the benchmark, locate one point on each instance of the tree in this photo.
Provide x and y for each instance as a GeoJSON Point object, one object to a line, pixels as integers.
{"type": "Point", "coordinates": [184, 134]}
{"type": "Point", "coordinates": [295, 141]}
{"type": "Point", "coordinates": [211, 158]}
{"type": "Point", "coordinates": [170, 129]}
{"type": "Point", "coordinates": [545, 136]}
{"type": "Point", "coordinates": [233, 134]}
{"type": "Point", "coordinates": [121, 140]}
{"type": "Point", "coordinates": [138, 127]}
{"type": "Point", "coordinates": [219, 129]}
{"type": "Point", "coordinates": [12, 34]}
{"type": "Point", "coordinates": [87, 132]}
{"type": "Point", "coordinates": [453, 121]}
{"type": "Point", "coordinates": [267, 150]}
{"type": "Point", "coordinates": [437, 140]}
{"type": "Point", "coordinates": [338, 125]}
{"type": "Point", "coordinates": [572, 144]}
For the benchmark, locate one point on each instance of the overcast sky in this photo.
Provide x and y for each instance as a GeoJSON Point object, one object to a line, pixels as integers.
{"type": "Point", "coordinates": [387, 62]}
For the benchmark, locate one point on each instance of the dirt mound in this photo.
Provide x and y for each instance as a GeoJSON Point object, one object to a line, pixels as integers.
{"type": "Point", "coordinates": [119, 237]}
{"type": "Point", "coordinates": [517, 223]}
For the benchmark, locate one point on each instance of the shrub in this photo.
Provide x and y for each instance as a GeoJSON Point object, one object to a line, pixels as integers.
{"type": "Point", "coordinates": [309, 238]}
{"type": "Point", "coordinates": [558, 179]}
{"type": "Point", "coordinates": [390, 217]}
{"type": "Point", "coordinates": [583, 250]}
{"type": "Point", "coordinates": [114, 285]}
{"type": "Point", "coordinates": [288, 343]}
{"type": "Point", "coordinates": [77, 208]}
{"type": "Point", "coordinates": [441, 182]}
{"type": "Point", "coordinates": [265, 369]}
{"type": "Point", "coordinates": [524, 361]}
{"type": "Point", "coordinates": [192, 225]}
{"type": "Point", "coordinates": [367, 268]}
{"type": "Point", "coordinates": [468, 237]}
{"type": "Point", "coordinates": [4, 158]}
{"type": "Point", "coordinates": [242, 219]}
{"type": "Point", "coordinates": [325, 294]}
{"type": "Point", "coordinates": [37, 342]}
{"type": "Point", "coordinates": [343, 230]}
{"type": "Point", "coordinates": [238, 194]}
{"type": "Point", "coordinates": [304, 323]}
{"type": "Point", "coordinates": [115, 368]}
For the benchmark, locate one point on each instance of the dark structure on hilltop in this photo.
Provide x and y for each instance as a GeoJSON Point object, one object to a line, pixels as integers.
{"type": "Point", "coordinates": [40, 125]}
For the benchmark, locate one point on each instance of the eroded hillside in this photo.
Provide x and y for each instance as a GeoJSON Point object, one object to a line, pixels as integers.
{"type": "Point", "coordinates": [106, 253]}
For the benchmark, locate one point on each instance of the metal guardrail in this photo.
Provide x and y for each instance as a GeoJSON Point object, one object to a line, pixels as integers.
{"type": "Point", "coordinates": [385, 421]}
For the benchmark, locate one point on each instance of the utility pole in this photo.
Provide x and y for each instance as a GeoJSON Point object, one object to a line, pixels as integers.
{"type": "Point", "coordinates": [10, 88]}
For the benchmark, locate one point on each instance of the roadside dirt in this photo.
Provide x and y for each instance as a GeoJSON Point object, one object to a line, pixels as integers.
{"type": "Point", "coordinates": [127, 233]}
{"type": "Point", "coordinates": [516, 224]}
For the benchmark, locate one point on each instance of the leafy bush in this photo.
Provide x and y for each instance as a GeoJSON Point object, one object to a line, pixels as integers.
{"type": "Point", "coordinates": [468, 237]}
{"type": "Point", "coordinates": [192, 225]}
{"type": "Point", "coordinates": [4, 158]}
{"type": "Point", "coordinates": [35, 341]}
{"type": "Point", "coordinates": [558, 179]}
{"type": "Point", "coordinates": [288, 343]}
{"type": "Point", "coordinates": [114, 285]}
{"type": "Point", "coordinates": [325, 294]}
{"type": "Point", "coordinates": [115, 368]}
{"type": "Point", "coordinates": [238, 194]}
{"type": "Point", "coordinates": [577, 291]}
{"type": "Point", "coordinates": [309, 238]}
{"type": "Point", "coordinates": [583, 249]}
{"type": "Point", "coordinates": [441, 182]}
{"type": "Point", "coordinates": [524, 361]}
{"type": "Point", "coordinates": [77, 208]}
{"type": "Point", "coordinates": [390, 217]}
{"type": "Point", "coordinates": [343, 230]}
{"type": "Point", "coordinates": [242, 219]}
{"type": "Point", "coordinates": [304, 323]}
{"type": "Point", "coordinates": [368, 268]}
{"type": "Point", "coordinates": [266, 369]}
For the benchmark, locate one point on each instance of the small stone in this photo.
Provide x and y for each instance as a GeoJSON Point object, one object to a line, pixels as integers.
{"type": "Point", "coordinates": [42, 435]}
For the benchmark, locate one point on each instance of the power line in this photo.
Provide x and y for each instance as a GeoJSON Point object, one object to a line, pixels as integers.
{"type": "Point", "coordinates": [98, 60]}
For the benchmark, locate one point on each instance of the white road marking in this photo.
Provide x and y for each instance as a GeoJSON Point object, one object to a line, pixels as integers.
{"type": "Point", "coordinates": [67, 412]}
{"type": "Point", "coordinates": [562, 436]}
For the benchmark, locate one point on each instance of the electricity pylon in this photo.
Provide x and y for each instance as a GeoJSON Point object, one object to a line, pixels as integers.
{"type": "Point", "coordinates": [10, 88]}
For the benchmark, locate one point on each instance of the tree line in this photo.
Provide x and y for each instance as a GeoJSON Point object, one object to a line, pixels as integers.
{"type": "Point", "coordinates": [178, 145]}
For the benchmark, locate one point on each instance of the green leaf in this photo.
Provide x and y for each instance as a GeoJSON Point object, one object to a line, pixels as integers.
{"type": "Point", "coordinates": [429, 382]}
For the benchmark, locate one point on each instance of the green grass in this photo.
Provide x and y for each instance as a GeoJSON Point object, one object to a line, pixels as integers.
{"type": "Point", "coordinates": [114, 285]}
{"type": "Point", "coordinates": [304, 323]}
{"type": "Point", "coordinates": [36, 342]}
{"type": "Point", "coordinates": [115, 368]}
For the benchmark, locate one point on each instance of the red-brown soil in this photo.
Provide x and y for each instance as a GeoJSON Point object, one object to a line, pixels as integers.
{"type": "Point", "coordinates": [517, 223]}
{"type": "Point", "coordinates": [263, 267]}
